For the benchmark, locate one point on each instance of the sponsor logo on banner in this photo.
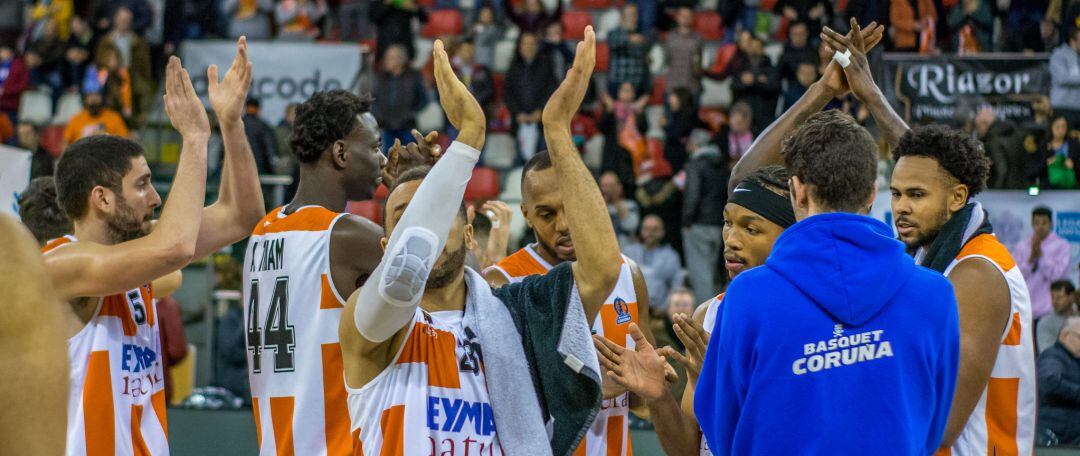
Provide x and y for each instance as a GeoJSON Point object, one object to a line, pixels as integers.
{"type": "Point", "coordinates": [14, 177]}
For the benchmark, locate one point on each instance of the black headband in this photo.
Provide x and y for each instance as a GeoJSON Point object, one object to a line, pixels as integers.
{"type": "Point", "coordinates": [764, 202]}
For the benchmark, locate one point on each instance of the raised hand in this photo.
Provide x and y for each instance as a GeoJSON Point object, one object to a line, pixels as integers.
{"type": "Point", "coordinates": [227, 97]}
{"type": "Point", "coordinates": [695, 339]}
{"type": "Point", "coordinates": [857, 75]}
{"type": "Point", "coordinates": [566, 100]}
{"type": "Point", "coordinates": [641, 371]}
{"type": "Point", "coordinates": [182, 104]}
{"type": "Point", "coordinates": [460, 106]}
{"type": "Point", "coordinates": [834, 77]}
{"type": "Point", "coordinates": [425, 151]}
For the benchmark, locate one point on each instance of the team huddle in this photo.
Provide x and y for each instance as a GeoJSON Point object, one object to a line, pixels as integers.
{"type": "Point", "coordinates": [834, 336]}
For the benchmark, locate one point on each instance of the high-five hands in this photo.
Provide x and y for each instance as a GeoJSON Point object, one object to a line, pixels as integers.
{"type": "Point", "coordinates": [228, 96]}
{"type": "Point", "coordinates": [461, 108]}
{"type": "Point", "coordinates": [424, 152]}
{"type": "Point", "coordinates": [566, 100]}
{"type": "Point", "coordinates": [182, 104]}
{"type": "Point", "coordinates": [695, 339]}
{"type": "Point", "coordinates": [642, 371]}
{"type": "Point", "coordinates": [857, 76]}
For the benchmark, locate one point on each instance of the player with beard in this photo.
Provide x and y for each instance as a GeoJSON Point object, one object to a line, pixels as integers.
{"type": "Point", "coordinates": [117, 398]}
{"type": "Point", "coordinates": [302, 259]}
{"type": "Point", "coordinates": [425, 373]}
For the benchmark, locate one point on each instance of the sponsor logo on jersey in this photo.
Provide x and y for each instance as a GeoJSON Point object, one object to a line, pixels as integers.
{"type": "Point", "coordinates": [622, 312]}
{"type": "Point", "coordinates": [458, 415]}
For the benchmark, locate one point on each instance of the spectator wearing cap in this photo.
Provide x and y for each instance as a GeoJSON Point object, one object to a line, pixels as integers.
{"type": "Point", "coordinates": [260, 135]}
{"type": "Point", "coordinates": [250, 18]}
{"type": "Point", "coordinates": [1063, 298]}
{"type": "Point", "coordinates": [400, 98]}
{"type": "Point", "coordinates": [703, 212]}
{"type": "Point", "coordinates": [1043, 258]}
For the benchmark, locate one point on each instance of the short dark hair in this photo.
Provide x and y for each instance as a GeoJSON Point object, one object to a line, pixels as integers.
{"type": "Point", "coordinates": [772, 177]}
{"type": "Point", "coordinates": [1043, 211]}
{"type": "Point", "coordinates": [40, 211]}
{"type": "Point", "coordinates": [1063, 284]}
{"type": "Point", "coordinates": [89, 162]}
{"type": "Point", "coordinates": [324, 118]}
{"type": "Point", "coordinates": [538, 162]}
{"type": "Point", "coordinates": [413, 174]}
{"type": "Point", "coordinates": [837, 156]}
{"type": "Point", "coordinates": [958, 154]}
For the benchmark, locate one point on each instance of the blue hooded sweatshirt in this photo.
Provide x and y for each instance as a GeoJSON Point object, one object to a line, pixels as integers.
{"type": "Point", "coordinates": [839, 344]}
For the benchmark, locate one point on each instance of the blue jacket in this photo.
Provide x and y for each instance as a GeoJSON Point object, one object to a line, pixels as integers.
{"type": "Point", "coordinates": [839, 344]}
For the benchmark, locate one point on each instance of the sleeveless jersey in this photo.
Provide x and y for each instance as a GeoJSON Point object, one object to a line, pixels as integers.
{"type": "Point", "coordinates": [1003, 421]}
{"type": "Point", "coordinates": [116, 402]}
{"type": "Point", "coordinates": [431, 399]}
{"type": "Point", "coordinates": [610, 433]}
{"type": "Point", "coordinates": [708, 323]}
{"type": "Point", "coordinates": [291, 311]}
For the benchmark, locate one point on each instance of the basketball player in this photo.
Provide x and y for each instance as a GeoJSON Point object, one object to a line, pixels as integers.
{"type": "Point", "coordinates": [425, 372]}
{"type": "Point", "coordinates": [937, 173]}
{"type": "Point", "coordinates": [117, 399]}
{"type": "Point", "coordinates": [32, 332]}
{"type": "Point", "coordinates": [302, 260]}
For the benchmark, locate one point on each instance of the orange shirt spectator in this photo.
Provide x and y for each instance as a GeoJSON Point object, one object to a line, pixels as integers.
{"type": "Point", "coordinates": [907, 19]}
{"type": "Point", "coordinates": [94, 119]}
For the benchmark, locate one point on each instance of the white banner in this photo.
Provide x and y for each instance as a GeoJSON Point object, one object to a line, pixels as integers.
{"type": "Point", "coordinates": [14, 177]}
{"type": "Point", "coordinates": [284, 72]}
{"type": "Point", "coordinates": [1010, 213]}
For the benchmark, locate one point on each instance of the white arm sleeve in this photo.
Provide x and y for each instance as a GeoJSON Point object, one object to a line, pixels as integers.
{"type": "Point", "coordinates": [388, 300]}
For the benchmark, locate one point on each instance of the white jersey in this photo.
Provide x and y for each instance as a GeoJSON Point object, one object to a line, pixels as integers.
{"type": "Point", "coordinates": [610, 433]}
{"type": "Point", "coordinates": [291, 310]}
{"type": "Point", "coordinates": [1003, 421]}
{"type": "Point", "coordinates": [432, 398]}
{"type": "Point", "coordinates": [116, 401]}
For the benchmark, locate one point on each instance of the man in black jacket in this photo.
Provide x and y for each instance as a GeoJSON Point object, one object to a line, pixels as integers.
{"type": "Point", "coordinates": [703, 213]}
{"type": "Point", "coordinates": [1059, 385]}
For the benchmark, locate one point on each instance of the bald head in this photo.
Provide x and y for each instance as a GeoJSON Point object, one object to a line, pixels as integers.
{"type": "Point", "coordinates": [1070, 335]}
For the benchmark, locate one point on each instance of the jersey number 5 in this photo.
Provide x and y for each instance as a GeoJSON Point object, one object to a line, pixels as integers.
{"type": "Point", "coordinates": [277, 333]}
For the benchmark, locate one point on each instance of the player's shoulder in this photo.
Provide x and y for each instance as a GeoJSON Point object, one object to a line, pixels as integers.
{"type": "Point", "coordinates": [989, 247]}
{"type": "Point", "coordinates": [351, 225]}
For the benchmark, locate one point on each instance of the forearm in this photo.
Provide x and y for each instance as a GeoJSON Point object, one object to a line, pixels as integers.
{"type": "Point", "coordinates": [240, 200]}
{"type": "Point", "coordinates": [182, 213]}
{"type": "Point", "coordinates": [891, 125]}
{"type": "Point", "coordinates": [766, 149]}
{"type": "Point", "coordinates": [677, 434]}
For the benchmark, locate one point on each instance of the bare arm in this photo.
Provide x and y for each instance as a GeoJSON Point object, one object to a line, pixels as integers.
{"type": "Point", "coordinates": [166, 286]}
{"type": "Point", "coordinates": [240, 201]}
{"type": "Point", "coordinates": [89, 269]}
{"type": "Point", "coordinates": [33, 350]}
{"type": "Point", "coordinates": [597, 267]}
{"type": "Point", "coordinates": [983, 300]}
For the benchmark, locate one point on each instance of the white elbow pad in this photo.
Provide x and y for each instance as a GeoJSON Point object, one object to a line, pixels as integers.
{"type": "Point", "coordinates": [408, 265]}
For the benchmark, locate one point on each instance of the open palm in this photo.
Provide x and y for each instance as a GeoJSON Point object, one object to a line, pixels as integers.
{"type": "Point", "coordinates": [227, 96]}
{"type": "Point", "coordinates": [642, 371]}
{"type": "Point", "coordinates": [461, 108]}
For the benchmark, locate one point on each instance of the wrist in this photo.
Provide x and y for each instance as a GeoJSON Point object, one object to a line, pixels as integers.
{"type": "Point", "coordinates": [820, 92]}
{"type": "Point", "coordinates": [665, 395]}
{"type": "Point", "coordinates": [199, 138]}
{"type": "Point", "coordinates": [226, 123]}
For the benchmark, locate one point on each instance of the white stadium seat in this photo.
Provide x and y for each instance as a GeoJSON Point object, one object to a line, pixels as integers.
{"type": "Point", "coordinates": [35, 107]}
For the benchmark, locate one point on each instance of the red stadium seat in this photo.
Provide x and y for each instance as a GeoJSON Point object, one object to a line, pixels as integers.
{"type": "Point", "coordinates": [602, 57]}
{"type": "Point", "coordinates": [723, 58]}
{"type": "Point", "coordinates": [370, 210]}
{"type": "Point", "coordinates": [483, 185]}
{"type": "Point", "coordinates": [52, 139]}
{"type": "Point", "coordinates": [709, 25]}
{"type": "Point", "coordinates": [659, 86]}
{"type": "Point", "coordinates": [592, 4]}
{"type": "Point", "coordinates": [441, 23]}
{"type": "Point", "coordinates": [499, 80]}
{"type": "Point", "coordinates": [574, 23]}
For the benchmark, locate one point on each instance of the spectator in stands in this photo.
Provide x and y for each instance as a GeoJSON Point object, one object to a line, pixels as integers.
{"type": "Point", "coordinates": [683, 50]}
{"type": "Point", "coordinates": [532, 17]}
{"type": "Point", "coordinates": [231, 361]}
{"type": "Point", "coordinates": [907, 19]}
{"type": "Point", "coordinates": [41, 162]}
{"type": "Point", "coordinates": [1056, 161]}
{"type": "Point", "coordinates": [401, 96]}
{"type": "Point", "coordinates": [629, 50]}
{"type": "Point", "coordinates": [134, 58]}
{"type": "Point", "coordinates": [44, 56]}
{"type": "Point", "coordinates": [1059, 385]}
{"type": "Point", "coordinates": [94, 119]}
{"type": "Point", "coordinates": [529, 82]}
{"type": "Point", "coordinates": [286, 163]}
{"type": "Point", "coordinates": [1043, 258]}
{"type": "Point", "coordinates": [657, 194]}
{"type": "Point", "coordinates": [703, 213]}
{"type": "Point", "coordinates": [139, 11]}
{"type": "Point", "coordinates": [1065, 79]}
{"type": "Point", "coordinates": [562, 57]}
{"type": "Point", "coordinates": [394, 25]}
{"type": "Point", "coordinates": [260, 136]}
{"type": "Point", "coordinates": [108, 77]}
{"type": "Point", "coordinates": [1063, 297]}
{"type": "Point", "coordinates": [477, 77]}
{"type": "Point", "coordinates": [486, 34]}
{"type": "Point", "coordinates": [624, 212]}
{"type": "Point", "coordinates": [805, 74]}
{"type": "Point", "coordinates": [352, 17]}
{"type": "Point", "coordinates": [973, 25]}
{"type": "Point", "coordinates": [250, 18]}
{"type": "Point", "coordinates": [682, 118]}
{"type": "Point", "coordinates": [814, 13]}
{"type": "Point", "coordinates": [797, 51]}
{"type": "Point", "coordinates": [1023, 20]}
{"type": "Point", "coordinates": [1004, 145]}
{"type": "Point", "coordinates": [77, 55]}
{"type": "Point", "coordinates": [298, 20]}
{"type": "Point", "coordinates": [736, 137]}
{"type": "Point", "coordinates": [623, 125]}
{"type": "Point", "coordinates": [14, 80]}
{"type": "Point", "coordinates": [659, 263]}
{"type": "Point", "coordinates": [757, 83]}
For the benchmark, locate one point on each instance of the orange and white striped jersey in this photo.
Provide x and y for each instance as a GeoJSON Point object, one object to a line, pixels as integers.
{"type": "Point", "coordinates": [610, 433]}
{"type": "Point", "coordinates": [291, 310]}
{"type": "Point", "coordinates": [1003, 422]}
{"type": "Point", "coordinates": [431, 399]}
{"type": "Point", "coordinates": [116, 404]}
